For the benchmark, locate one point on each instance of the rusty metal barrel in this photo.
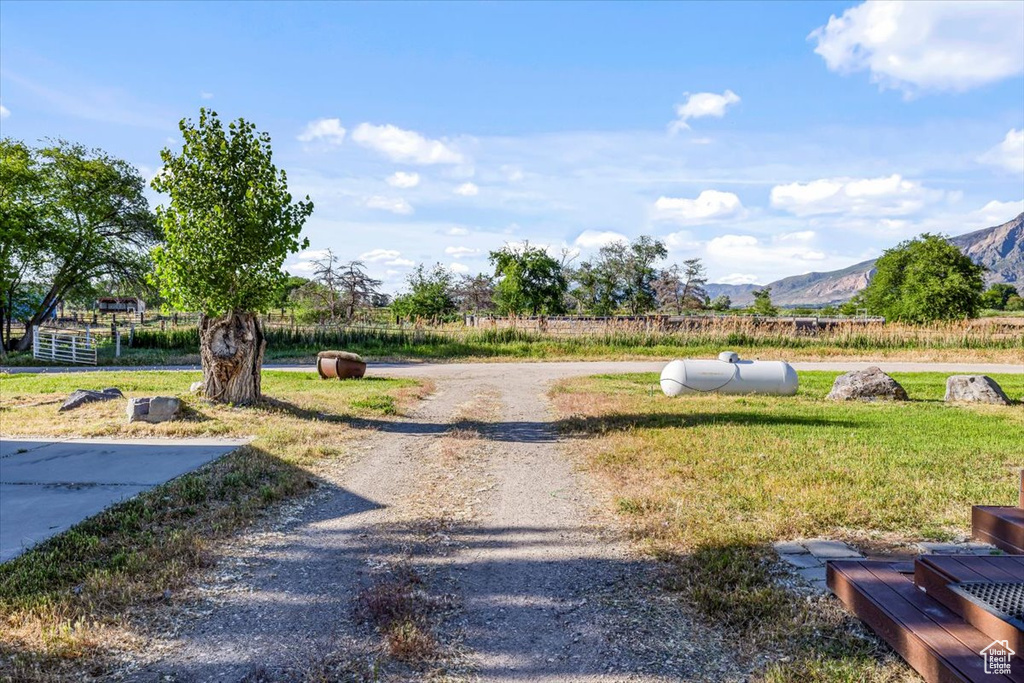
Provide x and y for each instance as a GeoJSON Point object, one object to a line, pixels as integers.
{"type": "Point", "coordinates": [340, 365]}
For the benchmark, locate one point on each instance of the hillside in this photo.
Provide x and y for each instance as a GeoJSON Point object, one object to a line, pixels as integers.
{"type": "Point", "coordinates": [999, 248]}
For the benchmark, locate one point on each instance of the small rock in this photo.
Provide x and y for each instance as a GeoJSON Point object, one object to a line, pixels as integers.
{"type": "Point", "coordinates": [975, 389]}
{"type": "Point", "coordinates": [867, 385]}
{"type": "Point", "coordinates": [156, 409]}
{"type": "Point", "coordinates": [80, 396]}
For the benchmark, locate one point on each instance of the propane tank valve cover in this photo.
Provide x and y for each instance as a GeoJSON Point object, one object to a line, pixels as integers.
{"type": "Point", "coordinates": [729, 357]}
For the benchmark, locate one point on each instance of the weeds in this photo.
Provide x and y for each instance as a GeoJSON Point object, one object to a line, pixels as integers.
{"type": "Point", "coordinates": [402, 611]}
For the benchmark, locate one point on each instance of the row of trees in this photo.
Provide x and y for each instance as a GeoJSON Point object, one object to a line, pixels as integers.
{"type": "Point", "coordinates": [71, 217]}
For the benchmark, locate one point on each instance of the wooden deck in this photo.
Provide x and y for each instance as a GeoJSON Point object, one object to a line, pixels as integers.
{"type": "Point", "coordinates": [937, 642]}
{"type": "Point", "coordinates": [1003, 527]}
{"type": "Point", "coordinates": [932, 613]}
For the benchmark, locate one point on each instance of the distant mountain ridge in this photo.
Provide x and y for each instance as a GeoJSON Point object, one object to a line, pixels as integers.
{"type": "Point", "coordinates": [999, 248]}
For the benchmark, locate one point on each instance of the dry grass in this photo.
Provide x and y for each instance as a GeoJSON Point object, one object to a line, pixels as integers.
{"type": "Point", "coordinates": [70, 604]}
{"type": "Point", "coordinates": [404, 613]}
{"type": "Point", "coordinates": [708, 481]}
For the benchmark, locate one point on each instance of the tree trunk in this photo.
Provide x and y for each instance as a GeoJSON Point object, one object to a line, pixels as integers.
{"type": "Point", "coordinates": [231, 348]}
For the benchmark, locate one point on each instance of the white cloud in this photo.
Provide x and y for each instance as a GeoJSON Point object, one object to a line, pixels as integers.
{"type": "Point", "coordinates": [738, 279]}
{"type": "Point", "coordinates": [4, 112]}
{"type": "Point", "coordinates": [709, 205]}
{"type": "Point", "coordinates": [387, 257]}
{"type": "Point", "coordinates": [405, 145]}
{"type": "Point", "coordinates": [997, 213]}
{"type": "Point", "coordinates": [312, 254]}
{"type": "Point", "coordinates": [206, 95]}
{"type": "Point", "coordinates": [403, 179]}
{"type": "Point", "coordinates": [886, 196]}
{"type": "Point", "coordinates": [455, 232]}
{"type": "Point", "coordinates": [459, 252]}
{"type": "Point", "coordinates": [1008, 154]}
{"type": "Point", "coordinates": [917, 46]}
{"type": "Point", "coordinates": [513, 174]}
{"type": "Point", "coordinates": [749, 249]}
{"type": "Point", "coordinates": [328, 130]}
{"type": "Point", "coordinates": [701, 104]}
{"type": "Point", "coordinates": [801, 236]}
{"type": "Point", "coordinates": [595, 239]}
{"type": "Point", "coordinates": [459, 268]}
{"type": "Point", "coordinates": [467, 190]}
{"type": "Point", "coordinates": [392, 204]}
{"type": "Point", "coordinates": [681, 241]}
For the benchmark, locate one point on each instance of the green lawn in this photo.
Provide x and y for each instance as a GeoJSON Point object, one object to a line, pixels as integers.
{"type": "Point", "coordinates": [697, 469]}
{"type": "Point", "coordinates": [706, 482]}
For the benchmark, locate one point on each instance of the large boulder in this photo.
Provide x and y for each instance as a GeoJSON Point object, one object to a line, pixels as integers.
{"type": "Point", "coordinates": [80, 396]}
{"type": "Point", "coordinates": [867, 385]}
{"type": "Point", "coordinates": [975, 389]}
{"type": "Point", "coordinates": [156, 409]}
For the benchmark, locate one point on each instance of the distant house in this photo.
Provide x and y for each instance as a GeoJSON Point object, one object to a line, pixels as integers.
{"type": "Point", "coordinates": [120, 304]}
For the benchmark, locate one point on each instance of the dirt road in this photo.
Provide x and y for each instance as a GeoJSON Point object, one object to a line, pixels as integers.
{"type": "Point", "coordinates": [526, 577]}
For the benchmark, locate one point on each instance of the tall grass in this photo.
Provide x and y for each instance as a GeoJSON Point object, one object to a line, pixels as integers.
{"type": "Point", "coordinates": [511, 339]}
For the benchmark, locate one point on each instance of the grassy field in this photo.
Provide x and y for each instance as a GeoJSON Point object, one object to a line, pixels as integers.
{"type": "Point", "coordinates": [978, 341]}
{"type": "Point", "coordinates": [709, 481]}
{"type": "Point", "coordinates": [71, 604]}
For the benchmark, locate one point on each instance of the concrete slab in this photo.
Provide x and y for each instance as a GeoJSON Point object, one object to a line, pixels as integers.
{"type": "Point", "coordinates": [46, 487]}
{"type": "Point", "coordinates": [827, 549]}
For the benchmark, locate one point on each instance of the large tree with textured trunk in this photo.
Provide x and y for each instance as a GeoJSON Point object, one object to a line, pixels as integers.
{"type": "Point", "coordinates": [228, 228]}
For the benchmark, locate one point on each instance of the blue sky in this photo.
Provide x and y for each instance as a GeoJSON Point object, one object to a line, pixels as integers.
{"type": "Point", "coordinates": [768, 139]}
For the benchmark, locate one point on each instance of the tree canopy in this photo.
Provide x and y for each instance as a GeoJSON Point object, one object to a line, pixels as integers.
{"type": "Point", "coordinates": [531, 282]}
{"type": "Point", "coordinates": [70, 216]}
{"type": "Point", "coordinates": [230, 222]}
{"type": "Point", "coordinates": [924, 279]}
{"type": "Point", "coordinates": [430, 294]}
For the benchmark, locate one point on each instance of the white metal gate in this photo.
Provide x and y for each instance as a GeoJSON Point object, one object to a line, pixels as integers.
{"type": "Point", "coordinates": [63, 346]}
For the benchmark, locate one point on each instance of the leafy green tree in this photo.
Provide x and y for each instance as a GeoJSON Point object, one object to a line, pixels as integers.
{"type": "Point", "coordinates": [1015, 303]}
{"type": "Point", "coordinates": [91, 221]}
{"type": "Point", "coordinates": [996, 296]}
{"type": "Point", "coordinates": [720, 303]}
{"type": "Point", "coordinates": [594, 288]}
{"type": "Point", "coordinates": [22, 226]}
{"type": "Point", "coordinates": [531, 282]}
{"type": "Point", "coordinates": [229, 226]}
{"type": "Point", "coordinates": [430, 295]}
{"type": "Point", "coordinates": [763, 302]}
{"type": "Point", "coordinates": [284, 294]}
{"type": "Point", "coordinates": [925, 279]}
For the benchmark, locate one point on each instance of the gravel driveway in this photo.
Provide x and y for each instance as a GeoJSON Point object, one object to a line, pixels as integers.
{"type": "Point", "coordinates": [475, 492]}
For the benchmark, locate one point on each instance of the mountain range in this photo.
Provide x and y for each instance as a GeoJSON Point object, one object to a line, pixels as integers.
{"type": "Point", "coordinates": [999, 248]}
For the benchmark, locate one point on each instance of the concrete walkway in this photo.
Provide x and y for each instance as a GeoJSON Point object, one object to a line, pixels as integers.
{"type": "Point", "coordinates": [48, 486]}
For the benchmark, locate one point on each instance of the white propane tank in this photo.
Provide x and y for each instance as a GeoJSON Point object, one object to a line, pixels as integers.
{"type": "Point", "coordinates": [729, 375]}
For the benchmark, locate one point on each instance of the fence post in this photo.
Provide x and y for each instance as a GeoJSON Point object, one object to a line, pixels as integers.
{"type": "Point", "coordinates": [53, 347]}
{"type": "Point", "coordinates": [117, 344]}
{"type": "Point", "coordinates": [74, 349]}
{"type": "Point", "coordinates": [88, 335]}
{"type": "Point", "coordinates": [34, 331]}
{"type": "Point", "coordinates": [131, 335]}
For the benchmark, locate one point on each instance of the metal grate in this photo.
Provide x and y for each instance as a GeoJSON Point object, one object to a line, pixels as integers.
{"type": "Point", "coordinates": [1005, 600]}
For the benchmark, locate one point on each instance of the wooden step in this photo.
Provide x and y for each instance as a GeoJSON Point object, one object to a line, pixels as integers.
{"type": "Point", "coordinates": [1003, 527]}
{"type": "Point", "coordinates": [938, 574]}
{"type": "Point", "coordinates": [934, 640]}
